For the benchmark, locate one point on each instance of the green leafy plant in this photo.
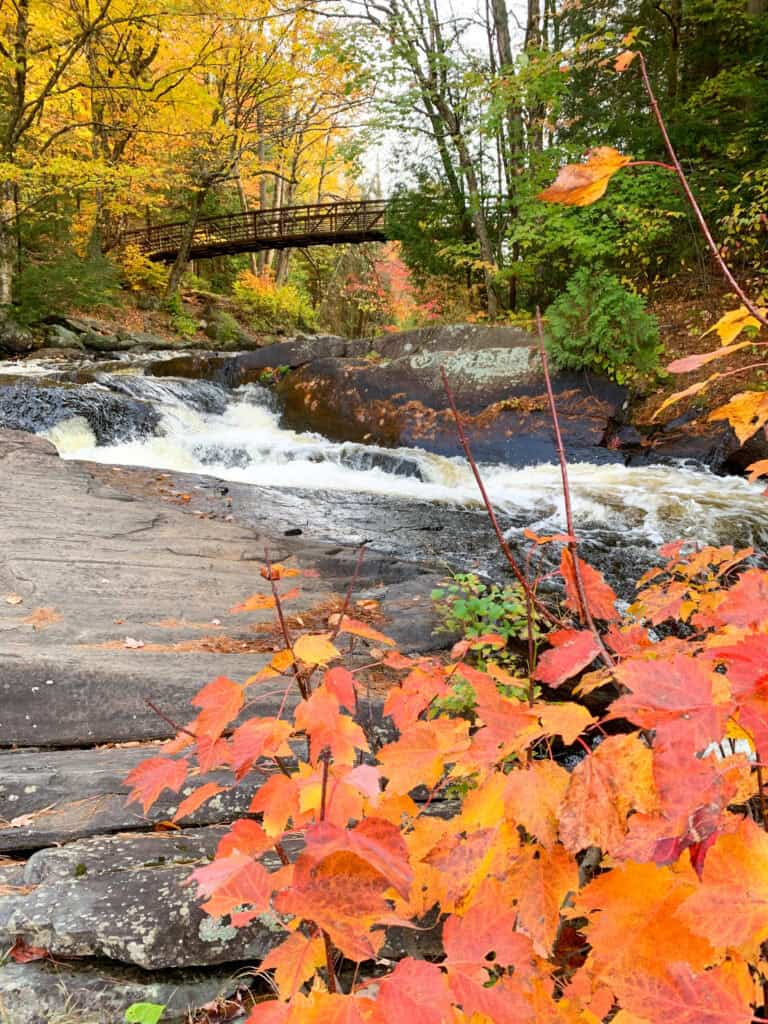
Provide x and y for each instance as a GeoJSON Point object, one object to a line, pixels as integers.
{"type": "Point", "coordinates": [65, 282]}
{"type": "Point", "coordinates": [181, 322]}
{"type": "Point", "coordinates": [598, 324]}
{"type": "Point", "coordinates": [474, 608]}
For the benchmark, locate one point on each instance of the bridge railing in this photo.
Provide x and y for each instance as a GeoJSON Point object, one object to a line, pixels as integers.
{"type": "Point", "coordinates": [338, 219]}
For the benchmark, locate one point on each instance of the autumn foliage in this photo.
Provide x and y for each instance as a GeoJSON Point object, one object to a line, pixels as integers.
{"type": "Point", "coordinates": [631, 888]}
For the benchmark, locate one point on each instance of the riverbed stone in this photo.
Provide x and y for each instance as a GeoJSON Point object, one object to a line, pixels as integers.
{"type": "Point", "coordinates": [125, 899]}
{"type": "Point", "coordinates": [50, 797]}
{"type": "Point", "coordinates": [99, 993]}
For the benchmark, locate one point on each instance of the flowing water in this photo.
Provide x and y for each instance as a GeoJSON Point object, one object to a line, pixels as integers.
{"type": "Point", "coordinates": [236, 436]}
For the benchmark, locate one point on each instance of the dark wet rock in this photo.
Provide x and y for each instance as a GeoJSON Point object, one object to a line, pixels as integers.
{"type": "Point", "coordinates": [501, 392]}
{"type": "Point", "coordinates": [55, 796]}
{"type": "Point", "coordinates": [13, 338]}
{"type": "Point", "coordinates": [248, 367]}
{"type": "Point", "coordinates": [99, 993]}
{"type": "Point", "coordinates": [412, 620]}
{"type": "Point", "coordinates": [27, 406]}
{"type": "Point", "coordinates": [204, 396]}
{"type": "Point", "coordinates": [710, 444]}
{"type": "Point", "coordinates": [124, 898]}
{"type": "Point", "coordinates": [57, 336]}
{"type": "Point", "coordinates": [193, 366]}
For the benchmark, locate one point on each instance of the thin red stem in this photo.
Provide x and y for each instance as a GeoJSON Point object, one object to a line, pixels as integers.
{"type": "Point", "coordinates": [506, 551]}
{"type": "Point", "coordinates": [284, 628]}
{"type": "Point", "coordinates": [761, 792]}
{"type": "Point", "coordinates": [570, 529]}
{"type": "Point", "coordinates": [651, 163]}
{"type": "Point", "coordinates": [677, 167]}
{"type": "Point", "coordinates": [350, 590]}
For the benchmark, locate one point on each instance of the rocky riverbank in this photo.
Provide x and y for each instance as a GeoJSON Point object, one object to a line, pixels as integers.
{"type": "Point", "coordinates": [115, 591]}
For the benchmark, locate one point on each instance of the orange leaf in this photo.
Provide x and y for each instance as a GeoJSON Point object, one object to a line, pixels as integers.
{"type": "Point", "coordinates": [281, 661]}
{"type": "Point", "coordinates": [533, 796]}
{"type": "Point", "coordinates": [294, 962]}
{"type": "Point", "coordinates": [315, 649]}
{"type": "Point", "coordinates": [573, 650]}
{"type": "Point", "coordinates": [358, 628]}
{"type": "Point", "coordinates": [421, 753]}
{"type": "Point", "coordinates": [583, 184]}
{"type": "Point", "coordinates": [196, 799]}
{"type": "Point", "coordinates": [320, 717]}
{"type": "Point", "coordinates": [757, 469]}
{"type": "Point", "coordinates": [623, 60]}
{"type": "Point", "coordinates": [258, 737]}
{"type": "Point", "coordinates": [601, 598]}
{"type": "Point", "coordinates": [221, 702]}
{"type": "Point", "coordinates": [342, 684]}
{"type": "Point", "coordinates": [747, 412]}
{"type": "Point", "coordinates": [682, 997]}
{"type": "Point", "coordinates": [261, 602]}
{"type": "Point", "coordinates": [42, 618]}
{"type": "Point", "coordinates": [613, 781]}
{"type": "Point", "coordinates": [280, 572]}
{"type": "Point", "coordinates": [233, 882]}
{"type": "Point", "coordinates": [152, 776]}
{"type": "Point", "coordinates": [379, 843]}
{"type": "Point", "coordinates": [696, 362]}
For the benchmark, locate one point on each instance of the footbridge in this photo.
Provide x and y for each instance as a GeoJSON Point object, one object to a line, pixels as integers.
{"type": "Point", "coordinates": [289, 227]}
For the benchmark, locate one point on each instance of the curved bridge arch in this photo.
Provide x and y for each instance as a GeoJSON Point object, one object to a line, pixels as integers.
{"type": "Point", "coordinates": [289, 227]}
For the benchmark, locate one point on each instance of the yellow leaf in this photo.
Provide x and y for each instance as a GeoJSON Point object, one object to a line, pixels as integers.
{"type": "Point", "coordinates": [624, 60]}
{"type": "Point", "coordinates": [315, 650]}
{"type": "Point", "coordinates": [281, 661]}
{"type": "Point", "coordinates": [731, 324]}
{"type": "Point", "coordinates": [747, 412]}
{"type": "Point", "coordinates": [583, 184]}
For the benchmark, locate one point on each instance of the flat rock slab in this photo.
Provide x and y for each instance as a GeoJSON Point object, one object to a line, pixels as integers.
{"type": "Point", "coordinates": [123, 898]}
{"type": "Point", "coordinates": [97, 569]}
{"type": "Point", "coordinates": [56, 796]}
{"type": "Point", "coordinates": [94, 993]}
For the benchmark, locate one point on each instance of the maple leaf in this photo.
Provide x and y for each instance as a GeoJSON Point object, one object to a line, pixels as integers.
{"type": "Point", "coordinates": [257, 738]}
{"type": "Point", "coordinates": [485, 935]}
{"type": "Point", "coordinates": [680, 996]}
{"type": "Point", "coordinates": [624, 907]}
{"type": "Point", "coordinates": [747, 412]}
{"type": "Point", "coordinates": [278, 801]}
{"type": "Point", "coordinates": [244, 837]}
{"type": "Point", "coordinates": [295, 961]}
{"type": "Point", "coordinates": [601, 599]}
{"type": "Point", "coordinates": [361, 629]}
{"type": "Point", "coordinates": [668, 692]}
{"type": "Point", "coordinates": [416, 991]}
{"type": "Point", "coordinates": [415, 693]}
{"type": "Point", "coordinates": [42, 618]}
{"type": "Point", "coordinates": [342, 894]}
{"type": "Point", "coordinates": [744, 605]}
{"type": "Point", "coordinates": [233, 882]}
{"type": "Point", "coordinates": [420, 755]}
{"type": "Point", "coordinates": [315, 649]}
{"type": "Point", "coordinates": [328, 729]}
{"type": "Point", "coordinates": [731, 324]}
{"type": "Point", "coordinates": [220, 701]}
{"type": "Point", "coordinates": [583, 184]}
{"type": "Point", "coordinates": [542, 880]}
{"type": "Point", "coordinates": [533, 796]}
{"type": "Point", "coordinates": [604, 788]}
{"type": "Point", "coordinates": [154, 775]}
{"type": "Point", "coordinates": [196, 799]}
{"type": "Point", "coordinates": [730, 907]}
{"type": "Point", "coordinates": [343, 685]}
{"type": "Point", "coordinates": [379, 843]}
{"type": "Point", "coordinates": [263, 602]}
{"type": "Point", "coordinates": [572, 650]}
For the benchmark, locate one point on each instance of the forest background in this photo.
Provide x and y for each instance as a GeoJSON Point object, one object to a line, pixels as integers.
{"type": "Point", "coordinates": [120, 113]}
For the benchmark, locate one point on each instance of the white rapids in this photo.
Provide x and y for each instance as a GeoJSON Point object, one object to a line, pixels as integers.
{"type": "Point", "coordinates": [243, 441]}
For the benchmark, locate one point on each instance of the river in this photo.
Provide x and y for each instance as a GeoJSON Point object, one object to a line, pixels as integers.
{"type": "Point", "coordinates": [236, 436]}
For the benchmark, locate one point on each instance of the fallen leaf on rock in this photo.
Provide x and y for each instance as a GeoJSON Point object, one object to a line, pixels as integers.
{"type": "Point", "coordinates": [21, 953]}
{"type": "Point", "coordinates": [41, 618]}
{"type": "Point", "coordinates": [132, 644]}
{"type": "Point", "coordinates": [13, 599]}
{"type": "Point", "coordinates": [22, 821]}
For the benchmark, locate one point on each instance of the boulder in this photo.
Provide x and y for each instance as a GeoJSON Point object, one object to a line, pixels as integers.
{"type": "Point", "coordinates": [13, 338]}
{"type": "Point", "coordinates": [92, 993]}
{"type": "Point", "coordinates": [301, 350]}
{"type": "Point", "coordinates": [57, 336]}
{"type": "Point", "coordinates": [124, 898]}
{"type": "Point", "coordinates": [27, 406]}
{"type": "Point", "coordinates": [497, 381]}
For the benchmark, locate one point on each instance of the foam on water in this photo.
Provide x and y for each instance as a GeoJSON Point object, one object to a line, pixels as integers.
{"type": "Point", "coordinates": [246, 443]}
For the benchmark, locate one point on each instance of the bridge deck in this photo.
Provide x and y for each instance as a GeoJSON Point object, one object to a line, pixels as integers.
{"type": "Point", "coordinates": [290, 227]}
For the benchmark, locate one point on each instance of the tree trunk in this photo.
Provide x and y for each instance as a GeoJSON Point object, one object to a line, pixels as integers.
{"type": "Point", "coordinates": [185, 247]}
{"type": "Point", "coordinates": [7, 242]}
{"type": "Point", "coordinates": [244, 207]}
